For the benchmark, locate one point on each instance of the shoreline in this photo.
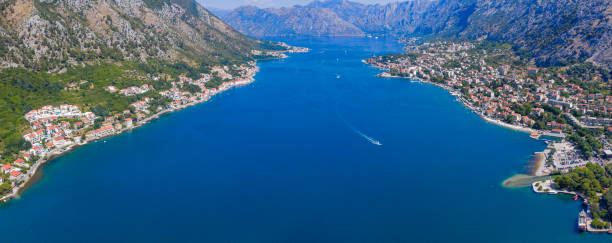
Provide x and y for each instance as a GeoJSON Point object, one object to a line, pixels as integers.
{"type": "Point", "coordinates": [465, 103]}
{"type": "Point", "coordinates": [540, 163]}
{"type": "Point", "coordinates": [538, 172]}
{"type": "Point", "coordinates": [522, 180]}
{"type": "Point", "coordinates": [35, 172]}
{"type": "Point", "coordinates": [547, 187]}
{"type": "Point", "coordinates": [538, 178]}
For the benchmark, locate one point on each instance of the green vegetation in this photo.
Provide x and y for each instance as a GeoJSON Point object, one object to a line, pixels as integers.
{"type": "Point", "coordinates": [505, 84]}
{"type": "Point", "coordinates": [22, 90]}
{"type": "Point", "coordinates": [586, 140]}
{"type": "Point", "coordinates": [5, 188]}
{"type": "Point", "coordinates": [214, 82]}
{"type": "Point", "coordinates": [272, 46]}
{"type": "Point", "coordinates": [598, 224]}
{"type": "Point", "coordinates": [591, 181]}
{"type": "Point", "coordinates": [586, 76]}
{"type": "Point", "coordinates": [588, 180]}
{"type": "Point", "coordinates": [604, 207]}
{"type": "Point", "coordinates": [191, 88]}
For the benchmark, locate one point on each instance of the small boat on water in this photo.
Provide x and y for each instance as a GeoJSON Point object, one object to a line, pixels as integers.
{"type": "Point", "coordinates": [582, 221]}
{"type": "Point", "coordinates": [575, 197]}
{"type": "Point", "coordinates": [338, 76]}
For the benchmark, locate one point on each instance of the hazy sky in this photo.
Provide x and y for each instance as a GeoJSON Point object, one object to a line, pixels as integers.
{"type": "Point", "coordinates": [231, 4]}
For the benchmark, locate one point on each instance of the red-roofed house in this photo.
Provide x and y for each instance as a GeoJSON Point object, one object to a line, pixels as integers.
{"type": "Point", "coordinates": [553, 124]}
{"type": "Point", "coordinates": [6, 168]}
{"type": "Point", "coordinates": [128, 122]}
{"type": "Point", "coordinates": [14, 174]}
{"type": "Point", "coordinates": [59, 141]}
{"type": "Point", "coordinates": [21, 162]}
{"type": "Point", "coordinates": [36, 150]}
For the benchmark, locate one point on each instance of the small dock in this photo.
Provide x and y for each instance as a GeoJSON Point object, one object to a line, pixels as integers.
{"type": "Point", "coordinates": [555, 135]}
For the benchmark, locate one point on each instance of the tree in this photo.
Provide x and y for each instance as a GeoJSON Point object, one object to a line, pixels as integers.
{"type": "Point", "coordinates": [15, 142]}
{"type": "Point", "coordinates": [598, 224]}
{"type": "Point", "coordinates": [5, 188]}
{"type": "Point", "coordinates": [191, 88]}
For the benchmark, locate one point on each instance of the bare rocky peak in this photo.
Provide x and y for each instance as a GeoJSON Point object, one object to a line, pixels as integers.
{"type": "Point", "coordinates": [51, 34]}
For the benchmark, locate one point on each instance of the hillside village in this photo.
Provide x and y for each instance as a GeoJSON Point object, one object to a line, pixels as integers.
{"type": "Point", "coordinates": [131, 98]}
{"type": "Point", "coordinates": [570, 105]}
{"type": "Point", "coordinates": [57, 129]}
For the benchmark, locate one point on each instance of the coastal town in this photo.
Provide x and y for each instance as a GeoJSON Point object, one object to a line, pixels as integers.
{"type": "Point", "coordinates": [568, 106]}
{"type": "Point", "coordinates": [57, 129]}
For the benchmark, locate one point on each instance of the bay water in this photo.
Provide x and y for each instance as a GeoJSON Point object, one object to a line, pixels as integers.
{"type": "Point", "coordinates": [317, 149]}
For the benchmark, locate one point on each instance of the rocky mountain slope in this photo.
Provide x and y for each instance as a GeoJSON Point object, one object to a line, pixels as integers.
{"type": "Point", "coordinates": [555, 32]}
{"type": "Point", "coordinates": [333, 17]}
{"type": "Point", "coordinates": [290, 21]}
{"type": "Point", "coordinates": [55, 52]}
{"type": "Point", "coordinates": [53, 34]}
{"type": "Point", "coordinates": [398, 17]}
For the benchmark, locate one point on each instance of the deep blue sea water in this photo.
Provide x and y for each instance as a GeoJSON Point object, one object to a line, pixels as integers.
{"type": "Point", "coordinates": [287, 159]}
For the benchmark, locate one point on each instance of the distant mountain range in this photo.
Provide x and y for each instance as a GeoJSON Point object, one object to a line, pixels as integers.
{"type": "Point", "coordinates": [554, 31]}
{"type": "Point", "coordinates": [219, 11]}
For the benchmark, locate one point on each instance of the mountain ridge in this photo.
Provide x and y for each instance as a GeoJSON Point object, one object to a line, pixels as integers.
{"type": "Point", "coordinates": [305, 21]}
{"type": "Point", "coordinates": [79, 52]}
{"type": "Point", "coordinates": [54, 34]}
{"type": "Point", "coordinates": [554, 32]}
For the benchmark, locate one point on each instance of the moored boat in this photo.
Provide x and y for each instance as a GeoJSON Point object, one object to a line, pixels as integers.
{"type": "Point", "coordinates": [582, 221]}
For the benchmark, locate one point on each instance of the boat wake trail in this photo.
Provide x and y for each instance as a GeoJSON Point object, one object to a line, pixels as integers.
{"type": "Point", "coordinates": [363, 135]}
{"type": "Point", "coordinates": [370, 139]}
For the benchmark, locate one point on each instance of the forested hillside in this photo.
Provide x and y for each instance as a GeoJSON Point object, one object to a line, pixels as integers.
{"type": "Point", "coordinates": [67, 51]}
